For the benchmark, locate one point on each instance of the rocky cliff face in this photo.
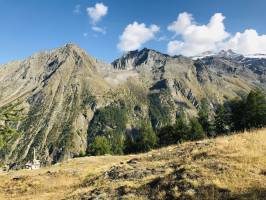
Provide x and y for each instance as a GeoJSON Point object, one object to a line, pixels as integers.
{"type": "Point", "coordinates": [217, 77]}
{"type": "Point", "coordinates": [58, 90]}
{"type": "Point", "coordinates": [64, 91]}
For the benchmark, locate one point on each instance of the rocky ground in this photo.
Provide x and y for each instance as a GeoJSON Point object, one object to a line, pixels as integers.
{"type": "Point", "coordinates": [230, 167]}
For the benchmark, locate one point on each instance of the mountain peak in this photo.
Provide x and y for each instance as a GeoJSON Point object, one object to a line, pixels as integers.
{"type": "Point", "coordinates": [222, 54]}
{"type": "Point", "coordinates": [63, 50]}
{"type": "Point", "coordinates": [135, 58]}
{"type": "Point", "coordinates": [71, 46]}
{"type": "Point", "coordinates": [139, 52]}
{"type": "Point", "coordinates": [228, 54]}
{"type": "Point", "coordinates": [203, 55]}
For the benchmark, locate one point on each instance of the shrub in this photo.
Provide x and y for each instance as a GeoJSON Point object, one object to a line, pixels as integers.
{"type": "Point", "coordinates": [117, 140]}
{"type": "Point", "coordinates": [100, 146]}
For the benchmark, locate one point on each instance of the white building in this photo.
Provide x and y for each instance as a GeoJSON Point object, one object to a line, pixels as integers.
{"type": "Point", "coordinates": [34, 164]}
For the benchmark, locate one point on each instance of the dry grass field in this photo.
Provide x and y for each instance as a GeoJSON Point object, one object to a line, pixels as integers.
{"type": "Point", "coordinates": [228, 167]}
{"type": "Point", "coordinates": [54, 182]}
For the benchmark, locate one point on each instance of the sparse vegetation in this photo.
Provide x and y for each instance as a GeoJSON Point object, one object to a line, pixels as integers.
{"type": "Point", "coordinates": [100, 146]}
{"type": "Point", "coordinates": [225, 168]}
{"type": "Point", "coordinates": [117, 140]}
{"type": "Point", "coordinates": [160, 108]}
{"type": "Point", "coordinates": [9, 117]}
{"type": "Point", "coordinates": [112, 117]}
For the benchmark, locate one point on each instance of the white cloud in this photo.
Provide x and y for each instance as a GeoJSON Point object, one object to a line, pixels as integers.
{"type": "Point", "coordinates": [248, 42]}
{"type": "Point", "coordinates": [183, 21]}
{"type": "Point", "coordinates": [174, 47]}
{"type": "Point", "coordinates": [135, 35]}
{"type": "Point", "coordinates": [77, 9]}
{"type": "Point", "coordinates": [99, 29]}
{"type": "Point", "coordinates": [85, 34]}
{"type": "Point", "coordinates": [97, 12]}
{"type": "Point", "coordinates": [196, 38]}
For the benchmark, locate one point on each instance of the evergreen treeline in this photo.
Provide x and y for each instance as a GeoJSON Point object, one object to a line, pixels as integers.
{"type": "Point", "coordinates": [242, 114]}
{"type": "Point", "coordinates": [236, 115]}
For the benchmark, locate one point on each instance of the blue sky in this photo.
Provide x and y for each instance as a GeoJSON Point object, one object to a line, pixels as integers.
{"type": "Point", "coordinates": [29, 26]}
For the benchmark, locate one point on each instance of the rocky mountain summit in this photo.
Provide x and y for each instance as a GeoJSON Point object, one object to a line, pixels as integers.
{"type": "Point", "coordinates": [65, 93]}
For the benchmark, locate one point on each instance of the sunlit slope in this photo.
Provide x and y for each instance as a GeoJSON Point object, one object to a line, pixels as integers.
{"type": "Point", "coordinates": [229, 167]}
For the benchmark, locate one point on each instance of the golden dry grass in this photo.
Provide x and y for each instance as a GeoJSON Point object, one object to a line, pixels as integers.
{"type": "Point", "coordinates": [244, 158]}
{"type": "Point", "coordinates": [53, 182]}
{"type": "Point", "coordinates": [235, 163]}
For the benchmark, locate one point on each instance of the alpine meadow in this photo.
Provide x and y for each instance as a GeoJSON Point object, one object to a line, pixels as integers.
{"type": "Point", "coordinates": [120, 100]}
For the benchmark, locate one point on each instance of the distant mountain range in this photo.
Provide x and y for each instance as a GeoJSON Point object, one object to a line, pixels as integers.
{"type": "Point", "coordinates": [227, 54]}
{"type": "Point", "coordinates": [64, 90]}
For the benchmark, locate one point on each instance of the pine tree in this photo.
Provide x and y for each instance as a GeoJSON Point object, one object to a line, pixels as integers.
{"type": "Point", "coordinates": [147, 138]}
{"type": "Point", "coordinates": [196, 131]}
{"type": "Point", "coordinates": [238, 114]}
{"type": "Point", "coordinates": [222, 120]}
{"type": "Point", "coordinates": [255, 109]}
{"type": "Point", "coordinates": [249, 112]}
{"type": "Point", "coordinates": [173, 134]}
{"type": "Point", "coordinates": [141, 140]}
{"type": "Point", "coordinates": [181, 125]}
{"type": "Point", "coordinates": [167, 135]}
{"type": "Point", "coordinates": [204, 116]}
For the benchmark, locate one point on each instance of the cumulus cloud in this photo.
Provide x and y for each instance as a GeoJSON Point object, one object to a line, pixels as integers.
{"type": "Point", "coordinates": [97, 12]}
{"type": "Point", "coordinates": [248, 42]}
{"type": "Point", "coordinates": [135, 35]}
{"type": "Point", "coordinates": [99, 29]}
{"type": "Point", "coordinates": [183, 21]}
{"type": "Point", "coordinates": [196, 38]}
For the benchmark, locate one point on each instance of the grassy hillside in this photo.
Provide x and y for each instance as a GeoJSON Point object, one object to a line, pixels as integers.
{"type": "Point", "coordinates": [231, 167]}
